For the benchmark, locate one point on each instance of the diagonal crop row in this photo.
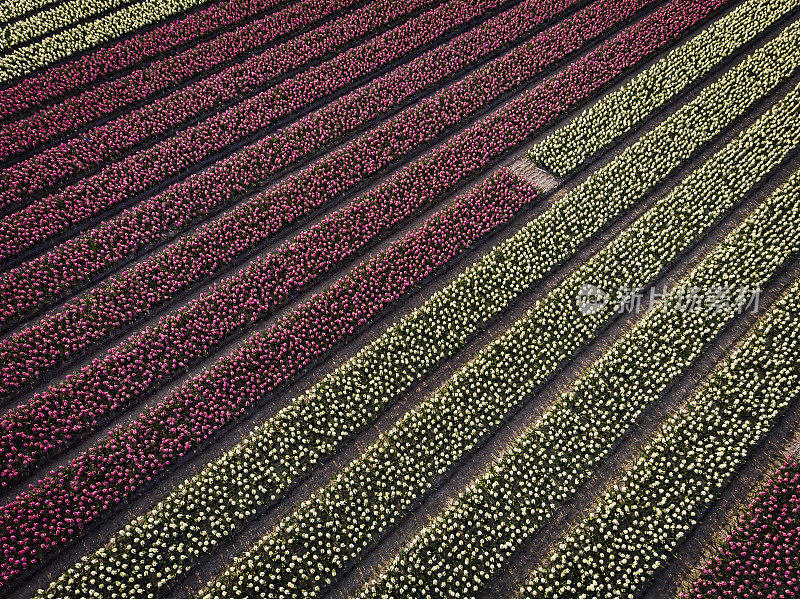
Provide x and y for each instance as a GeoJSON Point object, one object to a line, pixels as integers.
{"type": "Point", "coordinates": [760, 558]}
{"type": "Point", "coordinates": [39, 521]}
{"type": "Point", "coordinates": [206, 510]}
{"type": "Point", "coordinates": [121, 181]}
{"type": "Point", "coordinates": [473, 538]}
{"type": "Point", "coordinates": [84, 36]}
{"type": "Point", "coordinates": [33, 284]}
{"type": "Point", "coordinates": [358, 297]}
{"type": "Point", "coordinates": [160, 75]}
{"type": "Point", "coordinates": [606, 121]}
{"type": "Point", "coordinates": [36, 91]}
{"type": "Point", "coordinates": [637, 524]}
{"type": "Point", "coordinates": [328, 532]}
{"type": "Point", "coordinates": [55, 18]}
{"type": "Point", "coordinates": [65, 412]}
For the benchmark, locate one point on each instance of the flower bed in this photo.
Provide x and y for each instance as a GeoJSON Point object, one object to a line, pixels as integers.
{"type": "Point", "coordinates": [328, 531]}
{"type": "Point", "coordinates": [26, 59]}
{"type": "Point", "coordinates": [36, 91]}
{"type": "Point", "coordinates": [566, 149]}
{"type": "Point", "coordinates": [465, 545]}
{"type": "Point", "coordinates": [32, 285]}
{"type": "Point", "coordinates": [760, 558]}
{"type": "Point", "coordinates": [84, 152]}
{"type": "Point", "coordinates": [123, 180]}
{"type": "Point", "coordinates": [211, 506]}
{"type": "Point", "coordinates": [638, 524]}
{"type": "Point", "coordinates": [59, 415]}
{"type": "Point", "coordinates": [57, 17]}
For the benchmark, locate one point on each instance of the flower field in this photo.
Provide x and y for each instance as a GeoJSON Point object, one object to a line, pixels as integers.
{"type": "Point", "coordinates": [399, 298]}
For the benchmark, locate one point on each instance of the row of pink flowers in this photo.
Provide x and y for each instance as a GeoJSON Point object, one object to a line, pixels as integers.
{"type": "Point", "coordinates": [72, 408]}
{"type": "Point", "coordinates": [55, 512]}
{"type": "Point", "coordinates": [760, 559]}
{"type": "Point", "coordinates": [135, 174]}
{"type": "Point", "coordinates": [85, 152]}
{"type": "Point", "coordinates": [32, 285]}
{"type": "Point", "coordinates": [37, 90]}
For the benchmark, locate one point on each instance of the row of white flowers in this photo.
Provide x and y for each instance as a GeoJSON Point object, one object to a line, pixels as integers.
{"type": "Point", "coordinates": [469, 542]}
{"type": "Point", "coordinates": [638, 524]}
{"type": "Point", "coordinates": [57, 17]}
{"type": "Point", "coordinates": [27, 58]}
{"type": "Point", "coordinates": [317, 543]}
{"type": "Point", "coordinates": [608, 120]}
{"type": "Point", "coordinates": [149, 553]}
{"type": "Point", "coordinates": [13, 9]}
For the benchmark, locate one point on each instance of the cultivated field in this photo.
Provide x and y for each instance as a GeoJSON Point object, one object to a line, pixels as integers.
{"type": "Point", "coordinates": [400, 298]}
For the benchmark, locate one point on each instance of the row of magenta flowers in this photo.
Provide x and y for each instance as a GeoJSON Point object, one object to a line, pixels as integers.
{"type": "Point", "coordinates": [120, 181]}
{"type": "Point", "coordinates": [84, 152]}
{"type": "Point", "coordinates": [198, 255]}
{"type": "Point", "coordinates": [759, 559]}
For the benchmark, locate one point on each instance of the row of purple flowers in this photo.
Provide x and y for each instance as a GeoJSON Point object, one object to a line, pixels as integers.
{"type": "Point", "coordinates": [123, 180]}
{"type": "Point", "coordinates": [83, 153]}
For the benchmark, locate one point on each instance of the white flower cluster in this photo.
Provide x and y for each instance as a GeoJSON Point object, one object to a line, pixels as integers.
{"type": "Point", "coordinates": [570, 146]}
{"type": "Point", "coordinates": [83, 36]}
{"type": "Point", "coordinates": [469, 542]}
{"type": "Point", "coordinates": [329, 531]}
{"type": "Point", "coordinates": [60, 16]}
{"type": "Point", "coordinates": [638, 523]}
{"type": "Point", "coordinates": [12, 9]}
{"type": "Point", "coordinates": [152, 551]}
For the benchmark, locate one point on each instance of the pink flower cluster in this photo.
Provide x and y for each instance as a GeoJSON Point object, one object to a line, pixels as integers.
{"type": "Point", "coordinates": [65, 503]}
{"type": "Point", "coordinates": [84, 152]}
{"type": "Point", "coordinates": [760, 559]}
{"type": "Point", "coordinates": [123, 180]}
{"type": "Point", "coordinates": [261, 364]}
{"type": "Point", "coordinates": [37, 90]}
{"type": "Point", "coordinates": [35, 283]}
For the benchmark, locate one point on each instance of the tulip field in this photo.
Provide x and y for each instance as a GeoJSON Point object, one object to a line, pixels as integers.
{"type": "Point", "coordinates": [400, 298]}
